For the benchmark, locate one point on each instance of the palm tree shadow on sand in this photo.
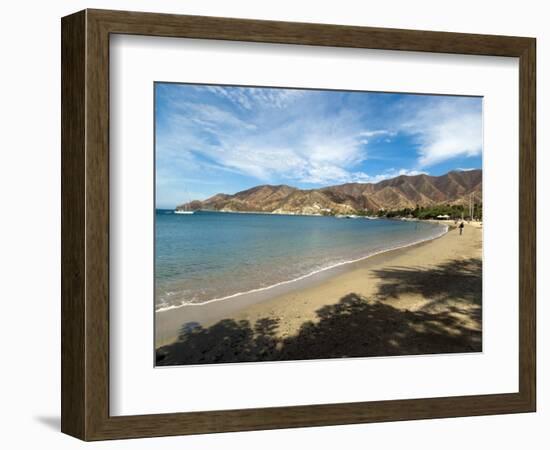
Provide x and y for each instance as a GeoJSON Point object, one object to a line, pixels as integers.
{"type": "Point", "coordinates": [447, 321]}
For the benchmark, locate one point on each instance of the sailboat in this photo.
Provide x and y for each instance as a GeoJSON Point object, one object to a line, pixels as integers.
{"type": "Point", "coordinates": [184, 209]}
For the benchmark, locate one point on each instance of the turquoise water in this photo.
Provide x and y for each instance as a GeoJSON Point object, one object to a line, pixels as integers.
{"type": "Point", "coordinates": [211, 256]}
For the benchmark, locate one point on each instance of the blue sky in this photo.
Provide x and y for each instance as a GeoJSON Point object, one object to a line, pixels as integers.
{"type": "Point", "coordinates": [212, 139]}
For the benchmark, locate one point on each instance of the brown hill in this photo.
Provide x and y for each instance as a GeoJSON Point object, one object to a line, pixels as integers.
{"type": "Point", "coordinates": [404, 191]}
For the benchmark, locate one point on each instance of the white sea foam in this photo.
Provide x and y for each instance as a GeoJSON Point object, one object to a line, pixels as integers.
{"type": "Point", "coordinates": [332, 266]}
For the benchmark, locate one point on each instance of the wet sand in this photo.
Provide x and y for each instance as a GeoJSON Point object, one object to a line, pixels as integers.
{"type": "Point", "coordinates": [421, 299]}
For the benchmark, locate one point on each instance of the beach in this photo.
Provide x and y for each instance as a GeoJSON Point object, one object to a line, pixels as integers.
{"type": "Point", "coordinates": [421, 299]}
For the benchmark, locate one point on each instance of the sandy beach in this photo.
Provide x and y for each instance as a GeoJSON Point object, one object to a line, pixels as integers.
{"type": "Point", "coordinates": [422, 299]}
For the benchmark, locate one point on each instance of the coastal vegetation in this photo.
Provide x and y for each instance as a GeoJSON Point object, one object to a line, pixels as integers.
{"type": "Point", "coordinates": [454, 212]}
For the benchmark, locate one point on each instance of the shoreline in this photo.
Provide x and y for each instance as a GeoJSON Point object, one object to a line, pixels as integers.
{"type": "Point", "coordinates": [418, 300]}
{"type": "Point", "coordinates": [169, 324]}
{"type": "Point", "coordinates": [308, 275]}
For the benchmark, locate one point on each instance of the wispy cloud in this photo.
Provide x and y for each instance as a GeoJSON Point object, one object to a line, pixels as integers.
{"type": "Point", "coordinates": [304, 145]}
{"type": "Point", "coordinates": [303, 137]}
{"type": "Point", "coordinates": [249, 98]}
{"type": "Point", "coordinates": [445, 128]}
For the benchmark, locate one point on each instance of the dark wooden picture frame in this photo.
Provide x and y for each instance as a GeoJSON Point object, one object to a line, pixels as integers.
{"type": "Point", "coordinates": [85, 224]}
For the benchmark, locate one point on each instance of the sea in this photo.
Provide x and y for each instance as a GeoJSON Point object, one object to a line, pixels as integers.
{"type": "Point", "coordinates": [213, 256]}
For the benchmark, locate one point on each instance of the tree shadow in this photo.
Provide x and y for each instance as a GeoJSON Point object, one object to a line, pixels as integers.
{"type": "Point", "coordinates": [454, 287]}
{"type": "Point", "coordinates": [449, 322]}
{"type": "Point", "coordinates": [452, 279]}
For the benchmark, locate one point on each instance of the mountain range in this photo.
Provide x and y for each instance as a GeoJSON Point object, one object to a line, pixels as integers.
{"type": "Point", "coordinates": [404, 191]}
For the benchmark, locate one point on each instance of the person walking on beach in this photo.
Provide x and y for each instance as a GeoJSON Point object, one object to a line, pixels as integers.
{"type": "Point", "coordinates": [461, 227]}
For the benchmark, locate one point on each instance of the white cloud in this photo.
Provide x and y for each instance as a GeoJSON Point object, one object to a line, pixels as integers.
{"type": "Point", "coordinates": [210, 115]}
{"type": "Point", "coordinates": [263, 163]}
{"type": "Point", "coordinates": [361, 177]}
{"type": "Point", "coordinates": [306, 149]}
{"type": "Point", "coordinates": [250, 98]}
{"type": "Point", "coordinates": [316, 157]}
{"type": "Point", "coordinates": [277, 98]}
{"type": "Point", "coordinates": [305, 144]}
{"type": "Point", "coordinates": [446, 128]}
{"type": "Point", "coordinates": [377, 133]}
{"type": "Point", "coordinates": [317, 173]}
{"type": "Point", "coordinates": [237, 96]}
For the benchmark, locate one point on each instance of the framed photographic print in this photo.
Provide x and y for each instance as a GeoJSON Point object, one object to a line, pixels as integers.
{"type": "Point", "coordinates": [270, 224]}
